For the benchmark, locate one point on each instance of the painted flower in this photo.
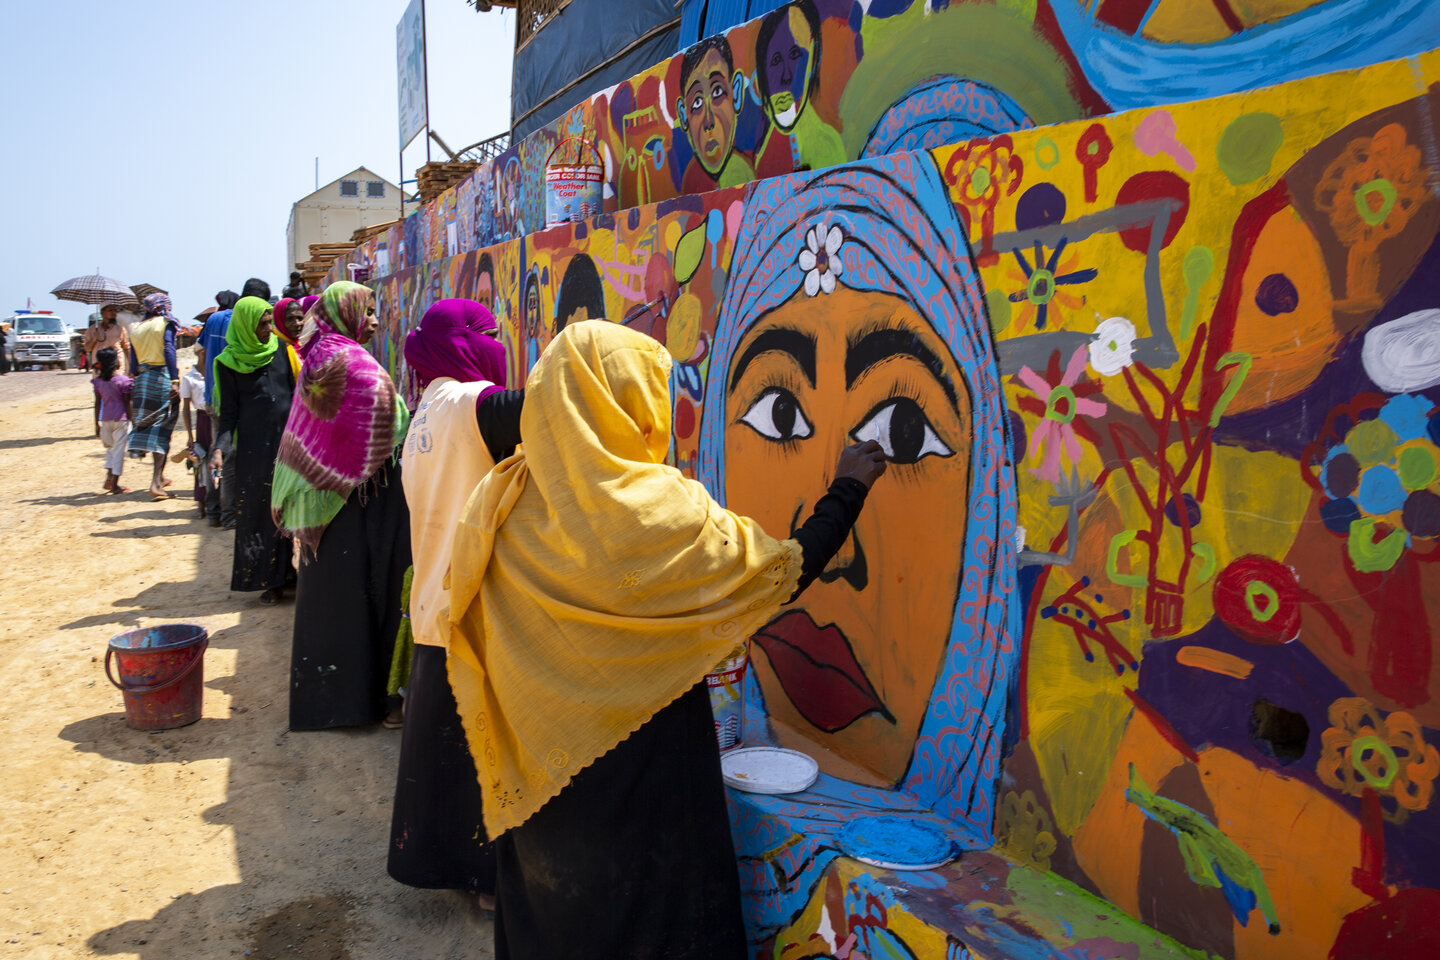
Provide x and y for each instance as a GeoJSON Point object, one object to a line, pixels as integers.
{"type": "Point", "coordinates": [1113, 347]}
{"type": "Point", "coordinates": [820, 259]}
{"type": "Point", "coordinates": [983, 170]}
{"type": "Point", "coordinates": [1374, 187]}
{"type": "Point", "coordinates": [1389, 755]}
{"type": "Point", "coordinates": [1040, 292]}
{"type": "Point", "coordinates": [1058, 401]}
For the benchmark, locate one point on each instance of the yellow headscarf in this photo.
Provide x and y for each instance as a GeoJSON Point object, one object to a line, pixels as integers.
{"type": "Point", "coordinates": [591, 584]}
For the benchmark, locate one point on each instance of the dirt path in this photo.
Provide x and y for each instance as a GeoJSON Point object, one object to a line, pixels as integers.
{"type": "Point", "coordinates": [230, 837]}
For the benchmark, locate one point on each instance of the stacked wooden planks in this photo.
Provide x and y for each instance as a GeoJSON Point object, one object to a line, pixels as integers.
{"type": "Point", "coordinates": [322, 256]}
{"type": "Point", "coordinates": [438, 176]}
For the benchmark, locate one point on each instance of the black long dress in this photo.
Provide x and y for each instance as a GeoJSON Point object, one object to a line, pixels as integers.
{"type": "Point", "coordinates": [347, 609]}
{"type": "Point", "coordinates": [633, 858]}
{"type": "Point", "coordinates": [253, 410]}
{"type": "Point", "coordinates": [437, 834]}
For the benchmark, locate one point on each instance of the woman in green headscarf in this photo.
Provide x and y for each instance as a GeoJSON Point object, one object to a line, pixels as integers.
{"type": "Point", "coordinates": [253, 388]}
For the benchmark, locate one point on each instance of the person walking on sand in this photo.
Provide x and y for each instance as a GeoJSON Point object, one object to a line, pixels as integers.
{"type": "Point", "coordinates": [157, 387]}
{"type": "Point", "coordinates": [337, 491]}
{"type": "Point", "coordinates": [112, 415]}
{"type": "Point", "coordinates": [220, 500]}
{"type": "Point", "coordinates": [253, 391]}
{"type": "Point", "coordinates": [199, 439]}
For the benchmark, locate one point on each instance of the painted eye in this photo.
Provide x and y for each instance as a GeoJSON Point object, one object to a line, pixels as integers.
{"type": "Point", "coordinates": [903, 432]}
{"type": "Point", "coordinates": [697, 103]}
{"type": "Point", "coordinates": [776, 60]}
{"type": "Point", "coordinates": [777, 416]}
{"type": "Point", "coordinates": [717, 91]}
{"type": "Point", "coordinates": [796, 53]}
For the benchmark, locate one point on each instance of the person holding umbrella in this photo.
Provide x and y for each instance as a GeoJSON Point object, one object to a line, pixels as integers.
{"type": "Point", "coordinates": [109, 332]}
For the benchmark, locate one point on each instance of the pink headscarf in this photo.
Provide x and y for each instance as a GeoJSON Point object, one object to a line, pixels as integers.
{"type": "Point", "coordinates": [456, 339]}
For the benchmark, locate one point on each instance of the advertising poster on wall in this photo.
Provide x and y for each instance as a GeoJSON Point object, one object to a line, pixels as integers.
{"type": "Point", "coordinates": [410, 71]}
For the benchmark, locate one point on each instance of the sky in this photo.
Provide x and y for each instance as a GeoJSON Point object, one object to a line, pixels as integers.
{"type": "Point", "coordinates": [164, 142]}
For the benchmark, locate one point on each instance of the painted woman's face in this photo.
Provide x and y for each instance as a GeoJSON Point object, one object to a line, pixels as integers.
{"type": "Point", "coordinates": [786, 61]}
{"type": "Point", "coordinates": [850, 666]}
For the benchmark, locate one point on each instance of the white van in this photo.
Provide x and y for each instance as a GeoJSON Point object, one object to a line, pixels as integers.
{"type": "Point", "coordinates": [39, 337]}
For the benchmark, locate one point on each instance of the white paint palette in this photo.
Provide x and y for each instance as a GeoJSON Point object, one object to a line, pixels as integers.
{"type": "Point", "coordinates": [769, 770]}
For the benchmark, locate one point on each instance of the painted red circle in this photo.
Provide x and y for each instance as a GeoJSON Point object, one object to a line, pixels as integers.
{"type": "Point", "coordinates": [1154, 185]}
{"type": "Point", "coordinates": [684, 418]}
{"type": "Point", "coordinates": [1267, 612]}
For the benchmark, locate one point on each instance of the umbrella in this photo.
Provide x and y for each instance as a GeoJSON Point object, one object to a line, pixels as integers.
{"type": "Point", "coordinates": [143, 290]}
{"type": "Point", "coordinates": [95, 289]}
{"type": "Point", "coordinates": [204, 315]}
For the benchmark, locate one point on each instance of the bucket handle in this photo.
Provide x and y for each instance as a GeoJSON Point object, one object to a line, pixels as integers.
{"type": "Point", "coordinates": [151, 688]}
{"type": "Point", "coordinates": [580, 155]}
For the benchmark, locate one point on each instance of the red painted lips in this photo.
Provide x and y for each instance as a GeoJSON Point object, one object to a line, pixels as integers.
{"type": "Point", "coordinates": [819, 672]}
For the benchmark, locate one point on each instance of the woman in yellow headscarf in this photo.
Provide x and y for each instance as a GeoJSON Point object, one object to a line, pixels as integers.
{"type": "Point", "coordinates": [592, 588]}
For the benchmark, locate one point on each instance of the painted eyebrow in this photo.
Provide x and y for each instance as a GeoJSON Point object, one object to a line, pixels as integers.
{"type": "Point", "coordinates": [868, 349]}
{"type": "Point", "coordinates": [800, 346]}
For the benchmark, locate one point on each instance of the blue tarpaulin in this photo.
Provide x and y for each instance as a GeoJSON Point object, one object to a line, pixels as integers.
{"type": "Point", "coordinates": [588, 46]}
{"type": "Point", "coordinates": [704, 18]}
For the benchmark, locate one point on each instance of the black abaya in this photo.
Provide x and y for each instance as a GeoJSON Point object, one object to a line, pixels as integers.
{"type": "Point", "coordinates": [634, 858]}
{"type": "Point", "coordinates": [253, 411]}
{"type": "Point", "coordinates": [347, 609]}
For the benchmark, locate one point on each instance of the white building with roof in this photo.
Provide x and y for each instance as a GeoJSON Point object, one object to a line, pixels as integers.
{"type": "Point", "coordinates": [335, 211]}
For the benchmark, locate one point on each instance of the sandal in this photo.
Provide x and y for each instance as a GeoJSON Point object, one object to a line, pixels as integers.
{"type": "Point", "coordinates": [270, 597]}
{"type": "Point", "coordinates": [118, 490]}
{"type": "Point", "coordinates": [161, 496]}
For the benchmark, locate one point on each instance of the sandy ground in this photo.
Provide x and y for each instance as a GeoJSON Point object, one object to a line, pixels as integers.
{"type": "Point", "coordinates": [229, 837]}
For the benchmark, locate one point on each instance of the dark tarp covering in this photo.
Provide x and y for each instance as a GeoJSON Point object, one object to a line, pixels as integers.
{"type": "Point", "coordinates": [705, 18]}
{"type": "Point", "coordinates": [559, 60]}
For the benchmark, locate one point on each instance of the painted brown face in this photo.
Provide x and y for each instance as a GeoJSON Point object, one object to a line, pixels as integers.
{"type": "Point", "coordinates": [710, 112]}
{"type": "Point", "coordinates": [850, 666]}
{"type": "Point", "coordinates": [485, 290]}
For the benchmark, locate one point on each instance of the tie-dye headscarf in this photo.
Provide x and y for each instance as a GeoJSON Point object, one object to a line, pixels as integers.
{"type": "Point", "coordinates": [885, 225]}
{"type": "Point", "coordinates": [451, 340]}
{"type": "Point", "coordinates": [344, 423]}
{"type": "Point", "coordinates": [158, 305]}
{"type": "Point", "coordinates": [243, 353]}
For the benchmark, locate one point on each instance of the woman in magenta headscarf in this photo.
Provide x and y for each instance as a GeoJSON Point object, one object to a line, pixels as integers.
{"type": "Point", "coordinates": [466, 421]}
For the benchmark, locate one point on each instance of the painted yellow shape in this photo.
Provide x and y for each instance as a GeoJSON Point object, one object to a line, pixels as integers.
{"type": "Point", "coordinates": [1185, 21]}
{"type": "Point", "coordinates": [1216, 661]}
{"type": "Point", "coordinates": [1255, 12]}
{"type": "Point", "coordinates": [1076, 709]}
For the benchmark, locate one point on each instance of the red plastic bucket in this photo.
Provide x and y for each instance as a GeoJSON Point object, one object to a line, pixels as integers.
{"type": "Point", "coordinates": [162, 674]}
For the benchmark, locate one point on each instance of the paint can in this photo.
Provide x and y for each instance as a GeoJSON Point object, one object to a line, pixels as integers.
{"type": "Point", "coordinates": [573, 191]}
{"type": "Point", "coordinates": [726, 682]}
{"type": "Point", "coordinates": [162, 674]}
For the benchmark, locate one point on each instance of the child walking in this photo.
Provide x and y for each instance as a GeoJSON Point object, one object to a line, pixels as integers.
{"type": "Point", "coordinates": [112, 415]}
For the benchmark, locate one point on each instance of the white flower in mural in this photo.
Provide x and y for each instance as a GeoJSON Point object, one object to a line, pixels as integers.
{"type": "Point", "coordinates": [1113, 347]}
{"type": "Point", "coordinates": [820, 259]}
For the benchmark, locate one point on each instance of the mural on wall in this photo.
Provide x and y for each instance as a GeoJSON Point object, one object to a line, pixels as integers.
{"type": "Point", "coordinates": [818, 82]}
{"type": "Point", "coordinates": [1147, 598]}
